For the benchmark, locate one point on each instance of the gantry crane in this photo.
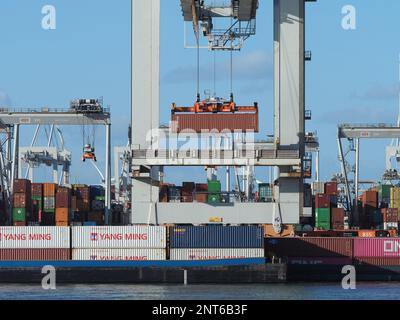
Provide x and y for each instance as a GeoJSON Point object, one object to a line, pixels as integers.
{"type": "Point", "coordinates": [285, 152]}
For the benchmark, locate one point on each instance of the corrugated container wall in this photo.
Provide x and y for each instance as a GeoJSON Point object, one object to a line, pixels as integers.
{"type": "Point", "coordinates": [377, 247]}
{"type": "Point", "coordinates": [35, 254]}
{"type": "Point", "coordinates": [34, 237]}
{"type": "Point", "coordinates": [49, 190]}
{"type": "Point", "coordinates": [119, 237]}
{"type": "Point", "coordinates": [119, 254]}
{"type": "Point", "coordinates": [213, 254]}
{"type": "Point", "coordinates": [216, 237]}
{"type": "Point", "coordinates": [309, 247]}
{"type": "Point", "coordinates": [219, 122]}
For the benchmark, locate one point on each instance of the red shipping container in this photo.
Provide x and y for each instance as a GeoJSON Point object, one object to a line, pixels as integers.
{"type": "Point", "coordinates": [35, 254]}
{"type": "Point", "coordinates": [322, 200]}
{"type": "Point", "coordinates": [217, 122]}
{"type": "Point", "coordinates": [19, 224]}
{"type": "Point", "coordinates": [331, 188]}
{"type": "Point", "coordinates": [163, 193]}
{"type": "Point", "coordinates": [37, 190]}
{"type": "Point", "coordinates": [82, 193]}
{"type": "Point", "coordinates": [376, 247]}
{"type": "Point", "coordinates": [309, 247]}
{"type": "Point", "coordinates": [22, 186]}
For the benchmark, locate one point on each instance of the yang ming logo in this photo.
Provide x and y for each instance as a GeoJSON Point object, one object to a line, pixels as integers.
{"type": "Point", "coordinates": [94, 236]}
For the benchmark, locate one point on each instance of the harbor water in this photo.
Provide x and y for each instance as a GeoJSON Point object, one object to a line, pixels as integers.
{"type": "Point", "coordinates": [296, 291]}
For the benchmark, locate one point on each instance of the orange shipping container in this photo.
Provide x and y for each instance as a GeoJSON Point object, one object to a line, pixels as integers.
{"type": "Point", "coordinates": [49, 189]}
{"type": "Point", "coordinates": [62, 224]}
{"type": "Point", "coordinates": [62, 215]}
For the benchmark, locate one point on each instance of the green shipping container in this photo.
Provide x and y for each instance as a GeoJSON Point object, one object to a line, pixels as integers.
{"type": "Point", "coordinates": [214, 198]}
{"type": "Point", "coordinates": [214, 186]}
{"type": "Point", "coordinates": [49, 210]}
{"type": "Point", "coordinates": [100, 198]}
{"type": "Point", "coordinates": [323, 218]}
{"type": "Point", "coordinates": [39, 201]}
{"type": "Point", "coordinates": [19, 214]}
{"type": "Point", "coordinates": [384, 191]}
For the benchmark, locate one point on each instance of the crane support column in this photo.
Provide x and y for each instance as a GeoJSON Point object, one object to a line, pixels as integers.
{"type": "Point", "coordinates": [14, 169]}
{"type": "Point", "coordinates": [107, 175]}
{"type": "Point", "coordinates": [145, 100]}
{"type": "Point", "coordinates": [289, 18]}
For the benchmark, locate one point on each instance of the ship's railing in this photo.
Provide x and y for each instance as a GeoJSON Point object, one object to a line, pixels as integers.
{"type": "Point", "coordinates": [42, 110]}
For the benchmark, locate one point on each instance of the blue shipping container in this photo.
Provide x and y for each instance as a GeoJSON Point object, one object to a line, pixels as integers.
{"type": "Point", "coordinates": [216, 237]}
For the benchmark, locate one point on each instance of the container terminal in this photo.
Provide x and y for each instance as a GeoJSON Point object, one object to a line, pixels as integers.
{"type": "Point", "coordinates": [137, 227]}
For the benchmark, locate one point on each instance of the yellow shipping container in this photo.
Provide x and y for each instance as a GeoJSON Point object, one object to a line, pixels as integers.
{"type": "Point", "coordinates": [395, 197]}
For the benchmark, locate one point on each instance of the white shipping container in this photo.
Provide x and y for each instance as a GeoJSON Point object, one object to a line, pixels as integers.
{"type": "Point", "coordinates": [213, 254]}
{"type": "Point", "coordinates": [119, 254]}
{"type": "Point", "coordinates": [34, 237]}
{"type": "Point", "coordinates": [119, 237]}
{"type": "Point", "coordinates": [318, 187]}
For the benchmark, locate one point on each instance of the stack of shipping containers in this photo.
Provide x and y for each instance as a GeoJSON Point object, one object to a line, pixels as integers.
{"type": "Point", "coordinates": [97, 203]}
{"type": "Point", "coordinates": [323, 211]}
{"type": "Point", "coordinates": [49, 204]}
{"type": "Point", "coordinates": [37, 203]}
{"type": "Point", "coordinates": [21, 202]}
{"type": "Point", "coordinates": [80, 202]}
{"type": "Point", "coordinates": [369, 207]}
{"type": "Point", "coordinates": [265, 192]}
{"type": "Point", "coordinates": [63, 206]}
{"type": "Point", "coordinates": [201, 192]}
{"type": "Point", "coordinates": [188, 191]}
{"type": "Point", "coordinates": [119, 243]}
{"type": "Point", "coordinates": [215, 242]}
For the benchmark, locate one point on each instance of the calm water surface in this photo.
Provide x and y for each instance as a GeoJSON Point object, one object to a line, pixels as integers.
{"type": "Point", "coordinates": [375, 290]}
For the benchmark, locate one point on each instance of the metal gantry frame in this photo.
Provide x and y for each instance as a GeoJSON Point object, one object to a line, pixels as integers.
{"type": "Point", "coordinates": [286, 152]}
{"type": "Point", "coordinates": [13, 119]}
{"type": "Point", "coordinates": [354, 133]}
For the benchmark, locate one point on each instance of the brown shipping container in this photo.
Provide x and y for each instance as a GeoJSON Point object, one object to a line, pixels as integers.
{"type": "Point", "coordinates": [370, 198]}
{"type": "Point", "coordinates": [188, 187]}
{"type": "Point", "coordinates": [73, 203]}
{"type": "Point", "coordinates": [49, 189]}
{"type": "Point", "coordinates": [22, 186]}
{"type": "Point", "coordinates": [331, 188]}
{"type": "Point", "coordinates": [82, 205]}
{"type": "Point", "coordinates": [218, 122]}
{"type": "Point", "coordinates": [337, 218]}
{"type": "Point", "coordinates": [35, 254]}
{"type": "Point", "coordinates": [62, 215]}
{"type": "Point", "coordinates": [201, 197]}
{"type": "Point", "coordinates": [322, 200]}
{"type": "Point", "coordinates": [37, 190]}
{"type": "Point", "coordinates": [63, 198]}
{"type": "Point", "coordinates": [163, 193]}
{"type": "Point", "coordinates": [96, 216]}
{"type": "Point", "coordinates": [82, 193]}
{"type": "Point", "coordinates": [201, 187]}
{"type": "Point", "coordinates": [309, 247]}
{"type": "Point", "coordinates": [22, 200]}
{"type": "Point", "coordinates": [187, 198]}
{"type": "Point", "coordinates": [389, 214]}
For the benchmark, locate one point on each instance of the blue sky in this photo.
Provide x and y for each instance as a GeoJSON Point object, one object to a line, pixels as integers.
{"type": "Point", "coordinates": [353, 76]}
